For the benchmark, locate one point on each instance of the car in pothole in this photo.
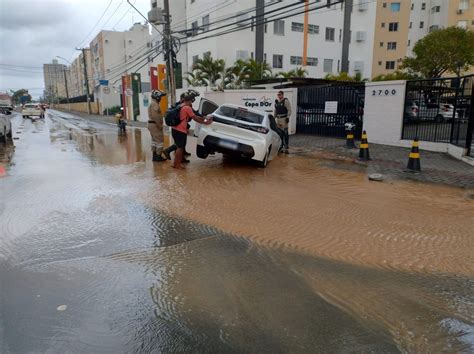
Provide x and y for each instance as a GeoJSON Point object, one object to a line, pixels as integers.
{"type": "Point", "coordinates": [237, 131]}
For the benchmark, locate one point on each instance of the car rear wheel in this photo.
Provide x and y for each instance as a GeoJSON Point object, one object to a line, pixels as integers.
{"type": "Point", "coordinates": [201, 152]}
{"type": "Point", "coordinates": [264, 162]}
{"type": "Point", "coordinates": [25, 117]}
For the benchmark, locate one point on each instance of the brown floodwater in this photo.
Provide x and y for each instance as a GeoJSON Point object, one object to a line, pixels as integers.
{"type": "Point", "coordinates": [224, 256]}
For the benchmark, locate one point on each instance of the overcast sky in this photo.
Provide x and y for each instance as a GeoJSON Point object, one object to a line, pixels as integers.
{"type": "Point", "coordinates": [34, 32]}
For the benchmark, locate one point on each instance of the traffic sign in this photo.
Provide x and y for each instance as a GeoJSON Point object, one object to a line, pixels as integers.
{"type": "Point", "coordinates": [106, 90]}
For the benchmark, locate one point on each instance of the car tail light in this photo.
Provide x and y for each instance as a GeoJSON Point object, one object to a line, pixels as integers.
{"type": "Point", "coordinates": [258, 129]}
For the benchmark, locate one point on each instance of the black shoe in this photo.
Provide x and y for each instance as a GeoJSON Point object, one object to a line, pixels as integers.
{"type": "Point", "coordinates": [158, 158]}
{"type": "Point", "coordinates": [187, 153]}
{"type": "Point", "coordinates": [185, 161]}
{"type": "Point", "coordinates": [167, 154]}
{"type": "Point", "coordinates": [286, 151]}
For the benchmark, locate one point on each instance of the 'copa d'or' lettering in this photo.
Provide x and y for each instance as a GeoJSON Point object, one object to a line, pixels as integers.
{"type": "Point", "coordinates": [258, 104]}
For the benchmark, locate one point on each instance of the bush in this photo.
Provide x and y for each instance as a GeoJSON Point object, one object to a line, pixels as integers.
{"type": "Point", "coordinates": [113, 110]}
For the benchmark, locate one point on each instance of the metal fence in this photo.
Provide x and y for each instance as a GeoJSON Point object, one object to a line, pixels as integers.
{"type": "Point", "coordinates": [324, 110]}
{"type": "Point", "coordinates": [78, 99]}
{"type": "Point", "coordinates": [439, 110]}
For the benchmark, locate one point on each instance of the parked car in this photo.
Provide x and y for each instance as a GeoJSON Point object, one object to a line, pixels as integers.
{"type": "Point", "coordinates": [238, 131]}
{"type": "Point", "coordinates": [5, 127]}
{"type": "Point", "coordinates": [32, 110]}
{"type": "Point", "coordinates": [438, 112]}
{"type": "Point", "coordinates": [6, 108]}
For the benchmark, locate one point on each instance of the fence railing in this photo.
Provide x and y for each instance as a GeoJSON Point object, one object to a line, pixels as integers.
{"type": "Point", "coordinates": [439, 110]}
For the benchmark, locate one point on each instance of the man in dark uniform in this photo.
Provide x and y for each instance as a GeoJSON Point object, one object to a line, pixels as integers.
{"type": "Point", "coordinates": [282, 114]}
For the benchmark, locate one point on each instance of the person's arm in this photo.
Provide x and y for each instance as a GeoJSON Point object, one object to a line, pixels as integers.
{"type": "Point", "coordinates": [207, 120]}
{"type": "Point", "coordinates": [288, 106]}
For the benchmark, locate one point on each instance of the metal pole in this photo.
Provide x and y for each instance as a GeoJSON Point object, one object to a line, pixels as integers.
{"type": "Point", "coordinates": [67, 91]}
{"type": "Point", "coordinates": [305, 34]}
{"type": "Point", "coordinates": [259, 30]}
{"type": "Point", "coordinates": [169, 49]}
{"type": "Point", "coordinates": [86, 79]}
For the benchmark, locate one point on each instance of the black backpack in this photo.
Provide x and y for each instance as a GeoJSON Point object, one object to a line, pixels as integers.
{"type": "Point", "coordinates": [172, 116]}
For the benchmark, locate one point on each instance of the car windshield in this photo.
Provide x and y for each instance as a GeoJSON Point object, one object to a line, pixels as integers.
{"type": "Point", "coordinates": [240, 114]}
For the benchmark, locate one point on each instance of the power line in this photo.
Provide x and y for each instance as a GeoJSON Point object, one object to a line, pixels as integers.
{"type": "Point", "coordinates": [93, 28]}
{"type": "Point", "coordinates": [190, 19]}
{"type": "Point", "coordinates": [22, 71]}
{"type": "Point", "coordinates": [22, 66]}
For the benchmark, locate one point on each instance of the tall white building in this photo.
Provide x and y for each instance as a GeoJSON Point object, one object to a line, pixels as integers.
{"type": "Point", "coordinates": [367, 36]}
{"type": "Point", "coordinates": [56, 76]}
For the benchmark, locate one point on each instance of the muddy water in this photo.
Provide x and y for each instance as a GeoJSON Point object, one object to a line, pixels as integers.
{"type": "Point", "coordinates": [222, 257]}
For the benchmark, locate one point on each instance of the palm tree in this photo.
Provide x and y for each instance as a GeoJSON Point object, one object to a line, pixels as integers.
{"type": "Point", "coordinates": [298, 72]}
{"type": "Point", "coordinates": [239, 73]}
{"type": "Point", "coordinates": [258, 71]}
{"type": "Point", "coordinates": [209, 70]}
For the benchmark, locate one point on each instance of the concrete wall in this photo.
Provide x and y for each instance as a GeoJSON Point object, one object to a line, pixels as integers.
{"type": "Point", "coordinates": [78, 107]}
{"type": "Point", "coordinates": [383, 118]}
{"type": "Point", "coordinates": [257, 99]}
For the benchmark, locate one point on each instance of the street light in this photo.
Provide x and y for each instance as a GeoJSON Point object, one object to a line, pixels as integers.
{"type": "Point", "coordinates": [65, 82]}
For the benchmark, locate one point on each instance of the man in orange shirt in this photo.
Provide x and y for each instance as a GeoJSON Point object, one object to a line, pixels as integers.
{"type": "Point", "coordinates": [180, 131]}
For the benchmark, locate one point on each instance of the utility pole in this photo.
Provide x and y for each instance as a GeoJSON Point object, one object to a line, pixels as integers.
{"type": "Point", "coordinates": [259, 31]}
{"type": "Point", "coordinates": [305, 34]}
{"type": "Point", "coordinates": [86, 78]}
{"type": "Point", "coordinates": [67, 91]}
{"type": "Point", "coordinates": [169, 54]}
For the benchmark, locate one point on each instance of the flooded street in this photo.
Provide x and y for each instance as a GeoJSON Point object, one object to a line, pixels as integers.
{"type": "Point", "coordinates": [104, 251]}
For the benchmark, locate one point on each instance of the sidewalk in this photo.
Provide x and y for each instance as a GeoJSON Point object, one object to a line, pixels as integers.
{"type": "Point", "coordinates": [106, 119]}
{"type": "Point", "coordinates": [390, 161]}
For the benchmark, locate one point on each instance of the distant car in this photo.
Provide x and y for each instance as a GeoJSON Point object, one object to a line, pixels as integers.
{"type": "Point", "coordinates": [6, 108]}
{"type": "Point", "coordinates": [438, 112]}
{"type": "Point", "coordinates": [238, 131]}
{"type": "Point", "coordinates": [5, 127]}
{"type": "Point", "coordinates": [32, 110]}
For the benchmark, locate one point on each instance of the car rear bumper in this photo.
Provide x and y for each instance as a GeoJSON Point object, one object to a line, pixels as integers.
{"type": "Point", "coordinates": [230, 147]}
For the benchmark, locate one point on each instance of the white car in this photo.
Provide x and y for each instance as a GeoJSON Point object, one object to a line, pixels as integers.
{"type": "Point", "coordinates": [238, 131]}
{"type": "Point", "coordinates": [32, 110]}
{"type": "Point", "coordinates": [5, 127]}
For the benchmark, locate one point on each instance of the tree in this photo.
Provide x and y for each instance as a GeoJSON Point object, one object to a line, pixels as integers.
{"type": "Point", "coordinates": [207, 72]}
{"type": "Point", "coordinates": [298, 72]}
{"type": "Point", "coordinates": [397, 75]}
{"type": "Point", "coordinates": [17, 96]}
{"type": "Point", "coordinates": [258, 71]}
{"type": "Point", "coordinates": [449, 50]}
{"type": "Point", "coordinates": [343, 76]}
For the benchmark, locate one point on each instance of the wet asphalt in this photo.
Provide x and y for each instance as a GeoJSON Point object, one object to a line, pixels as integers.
{"type": "Point", "coordinates": [87, 267]}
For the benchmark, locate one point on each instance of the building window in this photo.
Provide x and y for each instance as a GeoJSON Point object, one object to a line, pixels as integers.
{"type": "Point", "coordinates": [395, 7]}
{"type": "Point", "coordinates": [297, 27]}
{"type": "Point", "coordinates": [279, 28]}
{"type": "Point", "coordinates": [464, 5]}
{"type": "Point", "coordinates": [383, 25]}
{"type": "Point", "coordinates": [423, 6]}
{"type": "Point", "coordinates": [313, 29]}
{"type": "Point", "coordinates": [422, 24]}
{"type": "Point", "coordinates": [330, 33]}
{"type": "Point", "coordinates": [380, 63]}
{"type": "Point", "coordinates": [194, 27]}
{"type": "Point", "coordinates": [435, 9]}
{"type": "Point", "coordinates": [390, 65]}
{"type": "Point", "coordinates": [296, 60]}
{"type": "Point", "coordinates": [205, 23]}
{"type": "Point", "coordinates": [392, 46]}
{"type": "Point", "coordinates": [433, 28]}
{"type": "Point", "coordinates": [242, 54]}
{"type": "Point", "coordinates": [462, 24]}
{"type": "Point", "coordinates": [412, 6]}
{"type": "Point", "coordinates": [409, 42]}
{"type": "Point", "coordinates": [411, 25]}
{"type": "Point", "coordinates": [327, 66]}
{"type": "Point", "coordinates": [195, 59]}
{"type": "Point", "coordinates": [340, 35]}
{"type": "Point", "coordinates": [206, 54]}
{"type": "Point", "coordinates": [384, 5]}
{"type": "Point", "coordinates": [381, 44]}
{"type": "Point", "coordinates": [277, 61]}
{"type": "Point", "coordinates": [393, 27]}
{"type": "Point", "coordinates": [311, 61]}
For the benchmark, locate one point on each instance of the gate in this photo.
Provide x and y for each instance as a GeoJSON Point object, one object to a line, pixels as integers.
{"type": "Point", "coordinates": [324, 110]}
{"type": "Point", "coordinates": [440, 110]}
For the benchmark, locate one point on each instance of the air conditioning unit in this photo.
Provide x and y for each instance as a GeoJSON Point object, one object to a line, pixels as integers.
{"type": "Point", "coordinates": [460, 11]}
{"type": "Point", "coordinates": [361, 36]}
{"type": "Point", "coordinates": [359, 66]}
{"type": "Point", "coordinates": [155, 16]}
{"type": "Point", "coordinates": [363, 5]}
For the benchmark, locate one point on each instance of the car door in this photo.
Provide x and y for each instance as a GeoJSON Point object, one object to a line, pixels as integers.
{"type": "Point", "coordinates": [205, 107]}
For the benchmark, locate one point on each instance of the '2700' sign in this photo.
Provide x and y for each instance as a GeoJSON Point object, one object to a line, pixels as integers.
{"type": "Point", "coordinates": [384, 92]}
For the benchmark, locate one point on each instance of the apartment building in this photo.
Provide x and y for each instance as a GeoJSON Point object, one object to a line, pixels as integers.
{"type": "Point", "coordinates": [115, 54]}
{"type": "Point", "coordinates": [55, 77]}
{"type": "Point", "coordinates": [77, 85]}
{"type": "Point", "coordinates": [374, 35]}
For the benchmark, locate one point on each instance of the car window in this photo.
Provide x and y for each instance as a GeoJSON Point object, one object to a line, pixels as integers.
{"type": "Point", "coordinates": [240, 114]}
